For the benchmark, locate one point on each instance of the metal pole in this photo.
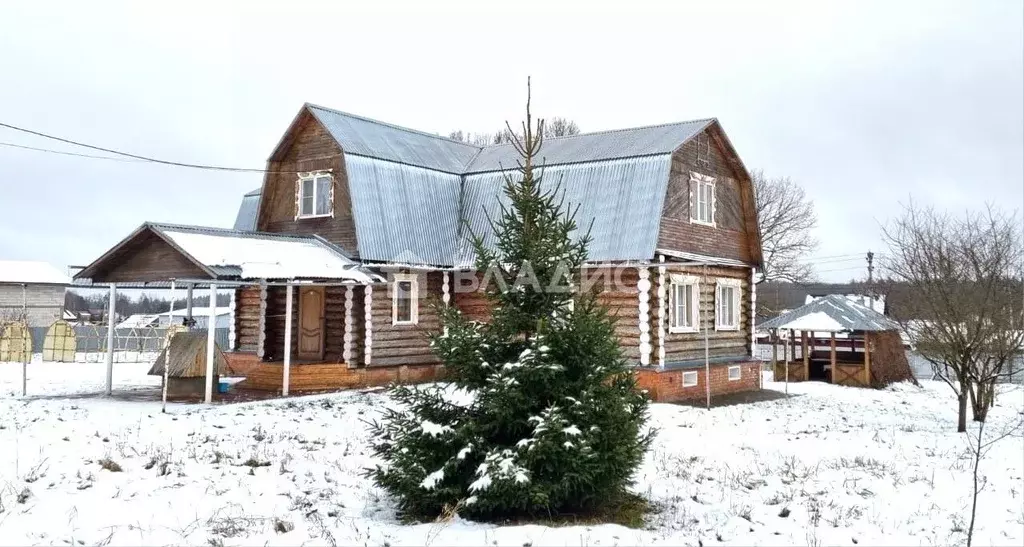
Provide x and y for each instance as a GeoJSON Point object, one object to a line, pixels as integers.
{"type": "Point", "coordinates": [788, 338]}
{"type": "Point", "coordinates": [707, 353]}
{"type": "Point", "coordinates": [167, 356]}
{"type": "Point", "coordinates": [211, 341]}
{"type": "Point", "coordinates": [111, 318]}
{"type": "Point", "coordinates": [287, 340]}
{"type": "Point", "coordinates": [27, 352]}
{"type": "Point", "coordinates": [188, 306]}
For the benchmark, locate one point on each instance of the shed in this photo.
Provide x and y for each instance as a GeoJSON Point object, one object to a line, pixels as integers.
{"type": "Point", "coordinates": [870, 355]}
{"type": "Point", "coordinates": [187, 371]}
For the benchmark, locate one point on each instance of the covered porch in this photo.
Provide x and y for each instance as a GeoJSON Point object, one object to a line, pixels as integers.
{"type": "Point", "coordinates": [837, 340]}
{"type": "Point", "coordinates": [297, 301]}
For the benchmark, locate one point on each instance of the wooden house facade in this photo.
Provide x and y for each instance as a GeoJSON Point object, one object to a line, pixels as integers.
{"type": "Point", "coordinates": [673, 228]}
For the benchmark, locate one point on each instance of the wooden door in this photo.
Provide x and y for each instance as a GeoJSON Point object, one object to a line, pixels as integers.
{"type": "Point", "coordinates": [311, 323]}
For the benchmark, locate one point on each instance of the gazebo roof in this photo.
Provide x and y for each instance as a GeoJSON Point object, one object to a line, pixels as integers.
{"type": "Point", "coordinates": [832, 313]}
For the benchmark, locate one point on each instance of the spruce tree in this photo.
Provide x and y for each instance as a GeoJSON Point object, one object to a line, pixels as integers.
{"type": "Point", "coordinates": [540, 415]}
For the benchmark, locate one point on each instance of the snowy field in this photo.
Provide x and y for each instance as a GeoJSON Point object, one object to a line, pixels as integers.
{"type": "Point", "coordinates": [828, 466]}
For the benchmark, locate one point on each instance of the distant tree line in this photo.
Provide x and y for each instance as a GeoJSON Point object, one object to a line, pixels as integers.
{"type": "Point", "coordinates": [554, 127]}
{"type": "Point", "coordinates": [126, 305]}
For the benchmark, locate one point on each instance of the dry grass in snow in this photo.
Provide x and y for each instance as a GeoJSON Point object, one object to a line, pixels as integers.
{"type": "Point", "coordinates": [828, 466]}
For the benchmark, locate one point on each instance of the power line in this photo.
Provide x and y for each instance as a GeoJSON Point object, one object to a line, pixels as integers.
{"type": "Point", "coordinates": [133, 156]}
{"type": "Point", "coordinates": [22, 146]}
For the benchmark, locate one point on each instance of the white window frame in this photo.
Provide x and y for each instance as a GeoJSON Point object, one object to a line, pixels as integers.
{"type": "Point", "coordinates": [314, 176]}
{"type": "Point", "coordinates": [703, 181]}
{"type": "Point", "coordinates": [414, 292]}
{"type": "Point", "coordinates": [690, 374]}
{"type": "Point", "coordinates": [678, 280]}
{"type": "Point", "coordinates": [739, 373]}
{"type": "Point", "coordinates": [736, 286]}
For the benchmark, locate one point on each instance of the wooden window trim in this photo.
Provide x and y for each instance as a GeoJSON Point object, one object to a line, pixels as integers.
{"type": "Point", "coordinates": [314, 176]}
{"type": "Point", "coordinates": [704, 180]}
{"type": "Point", "coordinates": [690, 374]}
{"type": "Point", "coordinates": [739, 373]}
{"type": "Point", "coordinates": [682, 281]}
{"type": "Point", "coordinates": [414, 305]}
{"type": "Point", "coordinates": [735, 285]}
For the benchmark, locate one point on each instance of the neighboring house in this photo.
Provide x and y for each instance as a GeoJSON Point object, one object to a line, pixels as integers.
{"type": "Point", "coordinates": [201, 316]}
{"type": "Point", "coordinates": [369, 220]}
{"type": "Point", "coordinates": [33, 291]}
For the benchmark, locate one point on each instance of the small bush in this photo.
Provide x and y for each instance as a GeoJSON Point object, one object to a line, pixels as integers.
{"type": "Point", "coordinates": [110, 465]}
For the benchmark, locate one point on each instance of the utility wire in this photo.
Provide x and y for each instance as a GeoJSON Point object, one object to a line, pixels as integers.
{"type": "Point", "coordinates": [130, 155]}
{"type": "Point", "coordinates": [12, 145]}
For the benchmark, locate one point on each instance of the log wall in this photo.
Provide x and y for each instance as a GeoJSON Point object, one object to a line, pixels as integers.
{"type": "Point", "coordinates": [405, 344]}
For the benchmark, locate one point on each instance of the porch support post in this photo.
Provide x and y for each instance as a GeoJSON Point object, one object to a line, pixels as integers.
{"type": "Point", "coordinates": [807, 354]}
{"type": "Point", "coordinates": [287, 339]}
{"type": "Point", "coordinates": [833, 357]}
{"type": "Point", "coordinates": [786, 352]}
{"type": "Point", "coordinates": [231, 325]}
{"type": "Point", "coordinates": [188, 305]}
{"type": "Point", "coordinates": [167, 356]}
{"type": "Point", "coordinates": [111, 320]}
{"type": "Point", "coordinates": [368, 333]}
{"type": "Point", "coordinates": [644, 287]}
{"type": "Point", "coordinates": [211, 341]}
{"type": "Point", "coordinates": [662, 320]}
{"type": "Point", "coordinates": [347, 352]}
{"type": "Point", "coordinates": [867, 358]}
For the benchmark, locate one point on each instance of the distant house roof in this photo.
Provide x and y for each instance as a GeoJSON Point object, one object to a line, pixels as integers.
{"type": "Point", "coordinates": [832, 313]}
{"type": "Point", "coordinates": [239, 255]}
{"type": "Point", "coordinates": [138, 321]}
{"type": "Point", "coordinates": [411, 190]}
{"type": "Point", "coordinates": [31, 272]}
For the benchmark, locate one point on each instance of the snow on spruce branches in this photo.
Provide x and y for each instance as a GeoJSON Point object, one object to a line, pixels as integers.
{"type": "Point", "coordinates": [546, 419]}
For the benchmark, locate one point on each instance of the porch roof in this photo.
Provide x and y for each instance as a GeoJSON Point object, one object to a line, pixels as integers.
{"type": "Point", "coordinates": [160, 252]}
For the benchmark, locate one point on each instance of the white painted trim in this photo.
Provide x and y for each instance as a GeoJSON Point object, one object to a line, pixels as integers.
{"type": "Point", "coordinates": [753, 309]}
{"type": "Point", "coordinates": [702, 179]}
{"type": "Point", "coordinates": [662, 302]}
{"type": "Point", "coordinates": [733, 284]}
{"type": "Point", "coordinates": [644, 318]}
{"type": "Point", "coordinates": [690, 374]}
{"type": "Point", "coordinates": [261, 345]}
{"type": "Point", "coordinates": [414, 307]}
{"type": "Point", "coordinates": [347, 351]}
{"type": "Point", "coordinates": [313, 175]}
{"type": "Point", "coordinates": [683, 280]}
{"type": "Point", "coordinates": [368, 334]}
{"type": "Point", "coordinates": [739, 373]}
{"type": "Point", "coordinates": [231, 326]}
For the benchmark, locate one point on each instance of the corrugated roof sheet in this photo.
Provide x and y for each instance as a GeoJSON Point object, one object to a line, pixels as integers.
{"type": "Point", "coordinates": [403, 213]}
{"type": "Point", "coordinates": [366, 137]}
{"type": "Point", "coordinates": [619, 201]}
{"type": "Point", "coordinates": [604, 145]}
{"type": "Point", "coordinates": [247, 211]}
{"type": "Point", "coordinates": [831, 313]}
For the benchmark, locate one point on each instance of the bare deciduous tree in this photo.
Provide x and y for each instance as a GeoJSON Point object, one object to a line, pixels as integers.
{"type": "Point", "coordinates": [554, 127]}
{"type": "Point", "coordinates": [964, 315]}
{"type": "Point", "coordinates": [786, 217]}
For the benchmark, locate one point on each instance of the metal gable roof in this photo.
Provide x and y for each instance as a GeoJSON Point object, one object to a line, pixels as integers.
{"type": "Point", "coordinates": [834, 313]}
{"type": "Point", "coordinates": [247, 211]}
{"type": "Point", "coordinates": [366, 137]}
{"type": "Point", "coordinates": [603, 145]}
{"type": "Point", "coordinates": [619, 201]}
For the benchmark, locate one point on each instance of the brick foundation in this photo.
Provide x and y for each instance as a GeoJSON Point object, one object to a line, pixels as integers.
{"type": "Point", "coordinates": [667, 385]}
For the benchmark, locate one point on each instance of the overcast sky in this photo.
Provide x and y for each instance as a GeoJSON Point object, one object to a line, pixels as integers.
{"type": "Point", "coordinates": [865, 105]}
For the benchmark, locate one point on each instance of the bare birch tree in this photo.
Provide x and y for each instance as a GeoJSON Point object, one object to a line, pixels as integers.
{"type": "Point", "coordinates": [965, 281]}
{"type": "Point", "coordinates": [554, 127]}
{"type": "Point", "coordinates": [786, 217]}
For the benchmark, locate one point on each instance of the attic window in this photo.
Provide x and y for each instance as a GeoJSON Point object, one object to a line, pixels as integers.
{"type": "Point", "coordinates": [314, 195]}
{"type": "Point", "coordinates": [702, 196]}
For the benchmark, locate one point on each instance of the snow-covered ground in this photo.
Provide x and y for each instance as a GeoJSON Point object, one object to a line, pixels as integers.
{"type": "Point", "coordinates": [830, 466]}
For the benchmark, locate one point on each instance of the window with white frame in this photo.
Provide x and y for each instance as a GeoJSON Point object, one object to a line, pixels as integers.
{"type": "Point", "coordinates": [689, 379]}
{"type": "Point", "coordinates": [684, 303]}
{"type": "Point", "coordinates": [727, 304]}
{"type": "Point", "coordinates": [735, 373]}
{"type": "Point", "coordinates": [405, 309]}
{"type": "Point", "coordinates": [314, 195]}
{"type": "Point", "coordinates": [703, 195]}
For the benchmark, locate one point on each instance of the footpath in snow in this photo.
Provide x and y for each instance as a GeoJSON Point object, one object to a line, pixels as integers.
{"type": "Point", "coordinates": [828, 466]}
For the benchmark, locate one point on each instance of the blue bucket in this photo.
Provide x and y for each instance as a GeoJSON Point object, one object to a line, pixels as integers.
{"type": "Point", "coordinates": [222, 387]}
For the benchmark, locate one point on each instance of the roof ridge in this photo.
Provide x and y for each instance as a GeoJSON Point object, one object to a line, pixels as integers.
{"type": "Point", "coordinates": [391, 125]}
{"type": "Point", "coordinates": [619, 130]}
{"type": "Point", "coordinates": [228, 231]}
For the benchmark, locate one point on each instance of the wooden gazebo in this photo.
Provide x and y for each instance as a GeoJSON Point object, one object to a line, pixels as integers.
{"type": "Point", "coordinates": [862, 348]}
